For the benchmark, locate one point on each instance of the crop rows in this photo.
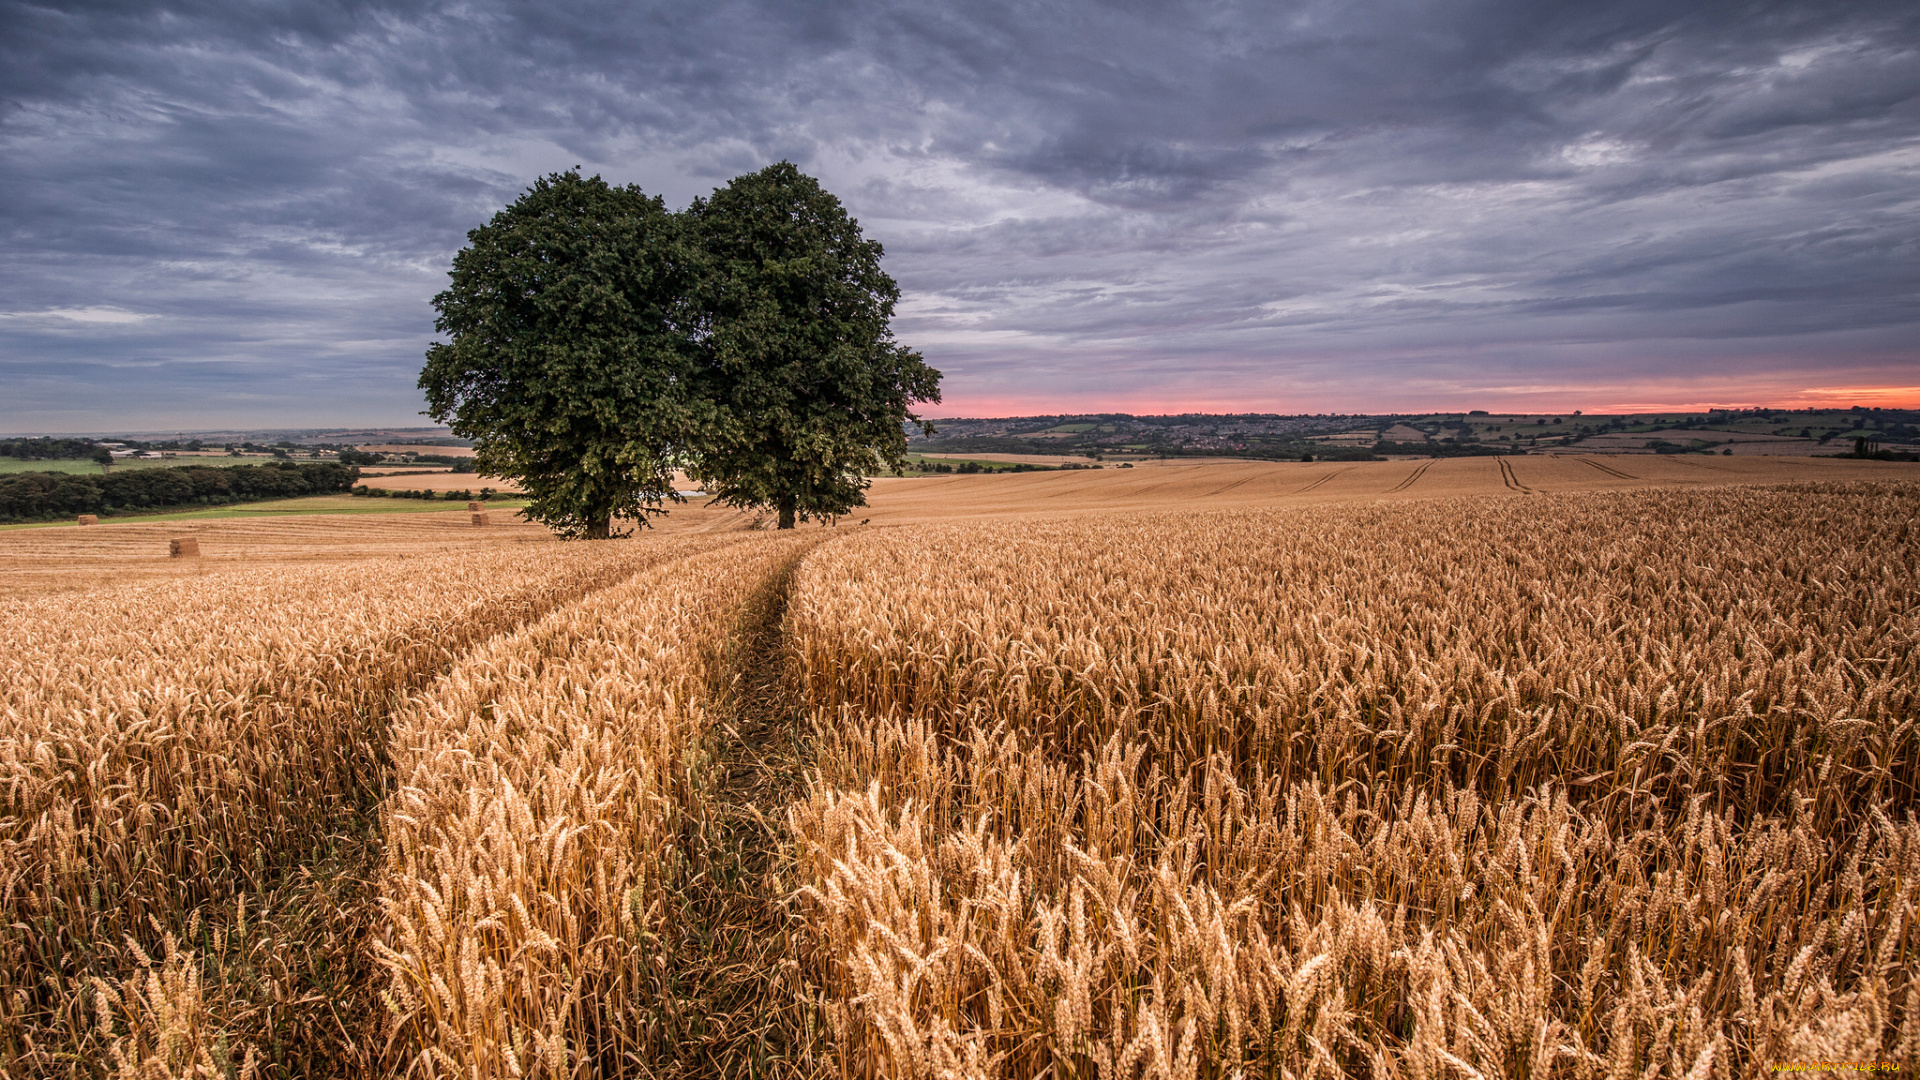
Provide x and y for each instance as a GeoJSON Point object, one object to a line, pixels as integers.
{"type": "Point", "coordinates": [168, 751]}
{"type": "Point", "coordinates": [535, 840]}
{"type": "Point", "coordinates": [1592, 785]}
{"type": "Point", "coordinates": [1583, 786]}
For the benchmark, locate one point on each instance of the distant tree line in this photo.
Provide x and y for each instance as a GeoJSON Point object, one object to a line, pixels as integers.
{"type": "Point", "coordinates": [45, 496]}
{"type": "Point", "coordinates": [1871, 450]}
{"type": "Point", "coordinates": [1433, 450]}
{"type": "Point", "coordinates": [461, 495]}
{"type": "Point", "coordinates": [454, 462]}
{"type": "Point", "coordinates": [460, 463]}
{"type": "Point", "coordinates": [47, 449]}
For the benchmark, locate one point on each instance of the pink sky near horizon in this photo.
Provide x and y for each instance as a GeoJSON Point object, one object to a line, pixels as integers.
{"type": "Point", "coordinates": [977, 405]}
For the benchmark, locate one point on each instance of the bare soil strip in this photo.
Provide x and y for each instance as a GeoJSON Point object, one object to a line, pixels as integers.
{"type": "Point", "coordinates": [743, 1009]}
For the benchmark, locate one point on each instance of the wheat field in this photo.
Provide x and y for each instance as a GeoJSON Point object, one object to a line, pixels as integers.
{"type": "Point", "coordinates": [1507, 772]}
{"type": "Point", "coordinates": [1600, 786]}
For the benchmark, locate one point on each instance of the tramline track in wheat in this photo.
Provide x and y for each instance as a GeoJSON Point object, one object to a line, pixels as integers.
{"type": "Point", "coordinates": [1608, 469]}
{"type": "Point", "coordinates": [1412, 478]}
{"type": "Point", "coordinates": [217, 689]}
{"type": "Point", "coordinates": [1323, 480]}
{"type": "Point", "coordinates": [677, 826]}
{"type": "Point", "coordinates": [1224, 488]}
{"type": "Point", "coordinates": [603, 724]}
{"type": "Point", "coordinates": [1513, 482]}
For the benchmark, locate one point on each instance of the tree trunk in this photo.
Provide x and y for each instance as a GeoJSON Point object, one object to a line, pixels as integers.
{"type": "Point", "coordinates": [600, 528]}
{"type": "Point", "coordinates": [787, 506]}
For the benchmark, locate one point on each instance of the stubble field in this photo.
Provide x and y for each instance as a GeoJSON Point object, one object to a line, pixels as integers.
{"type": "Point", "coordinates": [1428, 769]}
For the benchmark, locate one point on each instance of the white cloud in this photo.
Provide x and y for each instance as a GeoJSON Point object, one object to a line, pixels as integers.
{"type": "Point", "coordinates": [98, 315]}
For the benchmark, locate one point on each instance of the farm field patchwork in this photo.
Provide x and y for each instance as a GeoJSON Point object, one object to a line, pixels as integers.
{"type": "Point", "coordinates": [406, 480]}
{"type": "Point", "coordinates": [308, 504]}
{"type": "Point", "coordinates": [89, 467]}
{"type": "Point", "coordinates": [1521, 767]}
{"type": "Point", "coordinates": [54, 559]}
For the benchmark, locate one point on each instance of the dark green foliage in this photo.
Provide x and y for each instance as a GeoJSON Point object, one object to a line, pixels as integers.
{"type": "Point", "coordinates": [1871, 450]}
{"type": "Point", "coordinates": [568, 364]}
{"type": "Point", "coordinates": [47, 448]}
{"type": "Point", "coordinates": [43, 496]}
{"type": "Point", "coordinates": [812, 391]}
{"type": "Point", "coordinates": [1437, 450]}
{"type": "Point", "coordinates": [596, 341]}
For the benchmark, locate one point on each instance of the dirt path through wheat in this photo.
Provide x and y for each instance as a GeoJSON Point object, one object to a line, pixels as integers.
{"type": "Point", "coordinates": [742, 1010]}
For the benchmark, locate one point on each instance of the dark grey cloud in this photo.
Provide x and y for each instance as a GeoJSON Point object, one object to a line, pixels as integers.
{"type": "Point", "coordinates": [221, 212]}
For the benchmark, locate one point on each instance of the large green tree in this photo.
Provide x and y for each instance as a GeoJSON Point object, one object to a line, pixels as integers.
{"type": "Point", "coordinates": [568, 361]}
{"type": "Point", "coordinates": [812, 392]}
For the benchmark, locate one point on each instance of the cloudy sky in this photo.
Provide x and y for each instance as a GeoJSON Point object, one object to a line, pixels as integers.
{"type": "Point", "coordinates": [236, 213]}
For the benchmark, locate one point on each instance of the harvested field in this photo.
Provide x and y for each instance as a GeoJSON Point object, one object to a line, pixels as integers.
{"type": "Point", "coordinates": [1537, 766]}
{"type": "Point", "coordinates": [1742, 443]}
{"type": "Point", "coordinates": [407, 480]}
{"type": "Point", "coordinates": [66, 558]}
{"type": "Point", "coordinates": [414, 448]}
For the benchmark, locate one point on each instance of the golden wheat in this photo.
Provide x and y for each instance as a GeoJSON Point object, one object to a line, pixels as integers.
{"type": "Point", "coordinates": [173, 748]}
{"type": "Point", "coordinates": [1591, 785]}
{"type": "Point", "coordinates": [534, 839]}
{"type": "Point", "coordinates": [1584, 786]}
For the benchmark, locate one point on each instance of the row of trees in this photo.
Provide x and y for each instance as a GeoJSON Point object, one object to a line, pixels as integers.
{"type": "Point", "coordinates": [597, 342]}
{"type": "Point", "coordinates": [40, 496]}
{"type": "Point", "coordinates": [47, 448]}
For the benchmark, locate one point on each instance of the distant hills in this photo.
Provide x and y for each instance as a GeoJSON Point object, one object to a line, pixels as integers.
{"type": "Point", "coordinates": [1362, 437]}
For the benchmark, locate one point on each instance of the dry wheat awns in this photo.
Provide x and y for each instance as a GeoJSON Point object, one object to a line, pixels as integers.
{"type": "Point", "coordinates": [182, 744]}
{"type": "Point", "coordinates": [1616, 784]}
{"type": "Point", "coordinates": [534, 839]}
{"type": "Point", "coordinates": [1589, 786]}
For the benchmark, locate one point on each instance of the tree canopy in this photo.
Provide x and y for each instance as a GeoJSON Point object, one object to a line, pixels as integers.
{"type": "Point", "coordinates": [598, 341]}
{"type": "Point", "coordinates": [813, 392]}
{"type": "Point", "coordinates": [568, 364]}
